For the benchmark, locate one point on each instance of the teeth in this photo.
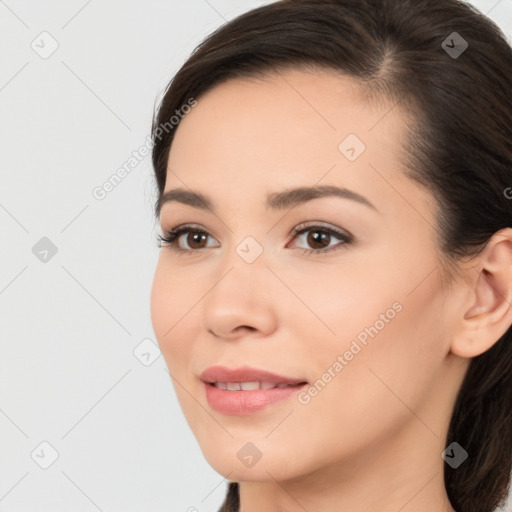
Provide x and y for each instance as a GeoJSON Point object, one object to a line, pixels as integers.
{"type": "Point", "coordinates": [248, 386]}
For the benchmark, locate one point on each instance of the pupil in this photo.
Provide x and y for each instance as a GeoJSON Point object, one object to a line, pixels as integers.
{"type": "Point", "coordinates": [313, 239]}
{"type": "Point", "coordinates": [196, 237]}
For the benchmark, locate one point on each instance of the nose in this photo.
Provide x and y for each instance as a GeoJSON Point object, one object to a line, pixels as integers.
{"type": "Point", "coordinates": [242, 301]}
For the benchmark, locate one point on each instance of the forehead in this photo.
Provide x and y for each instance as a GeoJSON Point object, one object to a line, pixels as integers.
{"type": "Point", "coordinates": [289, 128]}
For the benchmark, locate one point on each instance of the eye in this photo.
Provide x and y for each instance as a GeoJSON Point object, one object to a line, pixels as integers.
{"type": "Point", "coordinates": [195, 238]}
{"type": "Point", "coordinates": [319, 238]}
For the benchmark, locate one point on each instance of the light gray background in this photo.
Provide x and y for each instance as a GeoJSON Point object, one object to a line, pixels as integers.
{"type": "Point", "coordinates": [73, 373]}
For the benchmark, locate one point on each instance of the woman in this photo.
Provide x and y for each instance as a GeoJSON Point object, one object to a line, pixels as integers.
{"type": "Point", "coordinates": [333, 292]}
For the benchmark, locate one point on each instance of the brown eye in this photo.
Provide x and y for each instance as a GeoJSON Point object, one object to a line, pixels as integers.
{"type": "Point", "coordinates": [318, 238]}
{"type": "Point", "coordinates": [195, 240]}
{"type": "Point", "coordinates": [185, 238]}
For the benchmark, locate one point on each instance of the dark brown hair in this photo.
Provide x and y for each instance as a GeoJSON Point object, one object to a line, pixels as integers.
{"type": "Point", "coordinates": [459, 147]}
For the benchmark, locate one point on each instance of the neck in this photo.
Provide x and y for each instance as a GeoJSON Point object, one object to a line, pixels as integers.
{"type": "Point", "coordinates": [403, 474]}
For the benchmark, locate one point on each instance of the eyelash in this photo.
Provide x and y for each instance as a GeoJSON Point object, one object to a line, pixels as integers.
{"type": "Point", "coordinates": [171, 237]}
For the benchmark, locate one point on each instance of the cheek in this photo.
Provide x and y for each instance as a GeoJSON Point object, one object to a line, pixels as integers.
{"type": "Point", "coordinates": [390, 341]}
{"type": "Point", "coordinates": [338, 304]}
{"type": "Point", "coordinates": [160, 302]}
{"type": "Point", "coordinates": [371, 397]}
{"type": "Point", "coordinates": [397, 361]}
{"type": "Point", "coordinates": [171, 305]}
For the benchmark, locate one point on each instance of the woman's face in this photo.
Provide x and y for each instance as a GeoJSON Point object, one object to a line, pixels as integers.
{"type": "Point", "coordinates": [364, 323]}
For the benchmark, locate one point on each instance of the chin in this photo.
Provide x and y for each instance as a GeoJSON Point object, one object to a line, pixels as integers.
{"type": "Point", "coordinates": [233, 461]}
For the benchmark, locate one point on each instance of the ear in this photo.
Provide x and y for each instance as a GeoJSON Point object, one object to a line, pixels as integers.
{"type": "Point", "coordinates": [488, 312]}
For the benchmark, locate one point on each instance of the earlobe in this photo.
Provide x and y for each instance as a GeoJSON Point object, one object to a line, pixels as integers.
{"type": "Point", "coordinates": [489, 314]}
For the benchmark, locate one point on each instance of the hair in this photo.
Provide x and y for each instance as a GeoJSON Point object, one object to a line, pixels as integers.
{"type": "Point", "coordinates": [458, 146]}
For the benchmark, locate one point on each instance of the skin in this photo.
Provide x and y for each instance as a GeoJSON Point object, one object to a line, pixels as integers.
{"type": "Point", "coordinates": [372, 438]}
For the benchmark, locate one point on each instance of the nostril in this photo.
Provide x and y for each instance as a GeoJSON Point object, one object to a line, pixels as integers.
{"type": "Point", "coordinates": [242, 327]}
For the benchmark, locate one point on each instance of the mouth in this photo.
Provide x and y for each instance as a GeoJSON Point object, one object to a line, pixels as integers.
{"type": "Point", "coordinates": [253, 386]}
{"type": "Point", "coordinates": [246, 398]}
{"type": "Point", "coordinates": [245, 390]}
{"type": "Point", "coordinates": [247, 376]}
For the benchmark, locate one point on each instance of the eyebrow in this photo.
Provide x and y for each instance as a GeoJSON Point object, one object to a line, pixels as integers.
{"type": "Point", "coordinates": [276, 201]}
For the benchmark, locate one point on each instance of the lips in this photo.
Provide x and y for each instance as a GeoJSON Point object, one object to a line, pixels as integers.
{"type": "Point", "coordinates": [245, 391]}
{"type": "Point", "coordinates": [249, 386]}
{"type": "Point", "coordinates": [233, 379]}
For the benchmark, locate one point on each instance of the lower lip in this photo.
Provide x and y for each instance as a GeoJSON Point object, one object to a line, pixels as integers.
{"type": "Point", "coordinates": [243, 403]}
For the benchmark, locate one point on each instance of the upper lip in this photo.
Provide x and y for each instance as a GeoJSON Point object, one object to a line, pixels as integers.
{"type": "Point", "coordinates": [245, 374]}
